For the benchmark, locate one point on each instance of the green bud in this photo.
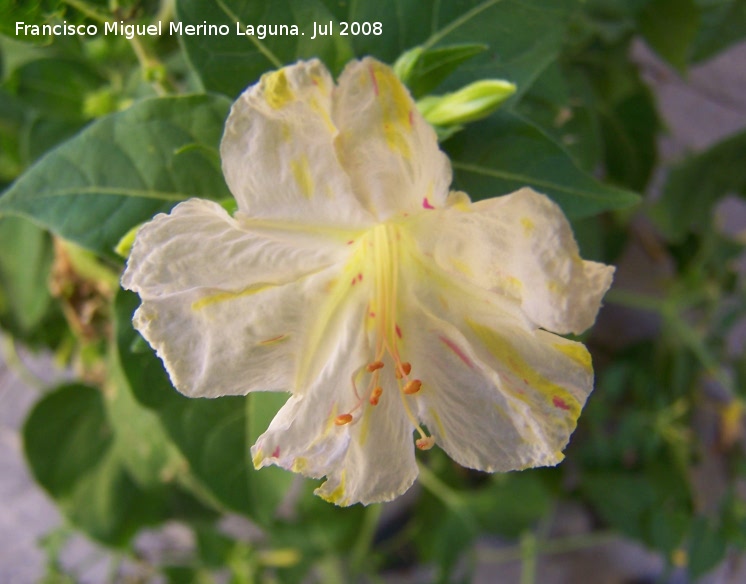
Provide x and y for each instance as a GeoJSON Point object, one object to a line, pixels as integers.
{"type": "Point", "coordinates": [99, 103]}
{"type": "Point", "coordinates": [406, 62]}
{"type": "Point", "coordinates": [124, 247]}
{"type": "Point", "coordinates": [473, 102]}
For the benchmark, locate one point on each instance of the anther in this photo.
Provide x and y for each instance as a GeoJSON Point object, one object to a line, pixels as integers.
{"type": "Point", "coordinates": [425, 443]}
{"type": "Point", "coordinates": [412, 387]}
{"type": "Point", "coordinates": [403, 369]}
{"type": "Point", "coordinates": [375, 396]}
{"type": "Point", "coordinates": [375, 365]}
{"type": "Point", "coordinates": [343, 419]}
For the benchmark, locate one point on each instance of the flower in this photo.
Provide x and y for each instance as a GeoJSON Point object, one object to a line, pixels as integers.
{"type": "Point", "coordinates": [351, 277]}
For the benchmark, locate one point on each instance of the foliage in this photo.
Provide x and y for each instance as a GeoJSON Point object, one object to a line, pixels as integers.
{"type": "Point", "coordinates": [99, 133]}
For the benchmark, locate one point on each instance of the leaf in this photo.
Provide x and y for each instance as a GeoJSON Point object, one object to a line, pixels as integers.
{"type": "Point", "coordinates": [630, 130]}
{"type": "Point", "coordinates": [523, 36]}
{"type": "Point", "coordinates": [55, 86]}
{"type": "Point", "coordinates": [505, 153]}
{"type": "Point", "coordinates": [707, 547]}
{"type": "Point", "coordinates": [68, 443]}
{"type": "Point", "coordinates": [670, 27]}
{"type": "Point", "coordinates": [696, 184]}
{"type": "Point", "coordinates": [140, 439]}
{"type": "Point", "coordinates": [723, 24]}
{"type": "Point", "coordinates": [123, 169]}
{"type": "Point", "coordinates": [433, 66]}
{"type": "Point", "coordinates": [214, 435]}
{"type": "Point", "coordinates": [25, 261]}
{"type": "Point", "coordinates": [511, 503]}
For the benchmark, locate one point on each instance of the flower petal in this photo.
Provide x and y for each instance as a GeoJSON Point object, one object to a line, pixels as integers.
{"type": "Point", "coordinates": [390, 152]}
{"type": "Point", "coordinates": [226, 305]}
{"type": "Point", "coordinates": [520, 245]}
{"type": "Point", "coordinates": [368, 460]}
{"type": "Point", "coordinates": [495, 395]}
{"type": "Point", "coordinates": [278, 150]}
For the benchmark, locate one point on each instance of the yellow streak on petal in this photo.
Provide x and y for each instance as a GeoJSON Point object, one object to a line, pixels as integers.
{"type": "Point", "coordinates": [555, 286]}
{"type": "Point", "coordinates": [365, 425]}
{"type": "Point", "coordinates": [510, 285]}
{"type": "Point", "coordinates": [330, 421]}
{"type": "Point", "coordinates": [458, 200]}
{"type": "Point", "coordinates": [223, 296]}
{"type": "Point", "coordinates": [277, 91]}
{"type": "Point", "coordinates": [258, 459]}
{"type": "Point", "coordinates": [438, 422]}
{"type": "Point", "coordinates": [462, 267]}
{"type": "Point", "coordinates": [323, 114]}
{"type": "Point", "coordinates": [395, 106]}
{"type": "Point", "coordinates": [285, 132]}
{"type": "Point", "coordinates": [556, 396]}
{"type": "Point", "coordinates": [302, 175]}
{"type": "Point", "coordinates": [577, 353]}
{"type": "Point", "coordinates": [300, 464]}
{"type": "Point", "coordinates": [528, 225]}
{"type": "Point", "coordinates": [336, 495]}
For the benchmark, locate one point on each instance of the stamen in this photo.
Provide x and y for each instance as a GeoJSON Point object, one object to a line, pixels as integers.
{"type": "Point", "coordinates": [425, 443]}
{"type": "Point", "coordinates": [343, 419]}
{"type": "Point", "coordinates": [375, 396]}
{"type": "Point", "coordinates": [403, 369]}
{"type": "Point", "coordinates": [375, 365]}
{"type": "Point", "coordinates": [412, 387]}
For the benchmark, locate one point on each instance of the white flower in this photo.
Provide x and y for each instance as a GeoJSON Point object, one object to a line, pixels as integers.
{"type": "Point", "coordinates": [353, 279]}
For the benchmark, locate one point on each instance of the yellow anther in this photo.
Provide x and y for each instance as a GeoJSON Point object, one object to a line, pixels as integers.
{"type": "Point", "coordinates": [412, 386]}
{"type": "Point", "coordinates": [343, 419]}
{"type": "Point", "coordinates": [375, 396]}
{"type": "Point", "coordinates": [403, 369]}
{"type": "Point", "coordinates": [375, 365]}
{"type": "Point", "coordinates": [425, 443]}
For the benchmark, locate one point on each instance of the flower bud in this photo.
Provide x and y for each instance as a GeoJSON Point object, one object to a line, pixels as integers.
{"type": "Point", "coordinates": [406, 62]}
{"type": "Point", "coordinates": [473, 102]}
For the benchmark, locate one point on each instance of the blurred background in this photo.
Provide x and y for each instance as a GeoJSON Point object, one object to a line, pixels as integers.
{"type": "Point", "coordinates": [107, 475]}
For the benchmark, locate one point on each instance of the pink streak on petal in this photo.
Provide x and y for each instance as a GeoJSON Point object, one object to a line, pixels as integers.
{"type": "Point", "coordinates": [456, 349]}
{"type": "Point", "coordinates": [560, 403]}
{"type": "Point", "coordinates": [426, 204]}
{"type": "Point", "coordinates": [373, 78]}
{"type": "Point", "coordinates": [276, 452]}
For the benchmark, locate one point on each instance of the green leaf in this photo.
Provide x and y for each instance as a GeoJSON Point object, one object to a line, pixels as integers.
{"type": "Point", "coordinates": [707, 547]}
{"type": "Point", "coordinates": [55, 86]}
{"type": "Point", "coordinates": [68, 443]}
{"type": "Point", "coordinates": [630, 130]}
{"type": "Point", "coordinates": [433, 66]}
{"type": "Point", "coordinates": [670, 27]}
{"type": "Point", "coordinates": [696, 184]}
{"type": "Point", "coordinates": [214, 435]}
{"type": "Point", "coordinates": [141, 442]}
{"type": "Point", "coordinates": [523, 36]}
{"type": "Point", "coordinates": [505, 153]}
{"type": "Point", "coordinates": [723, 24]}
{"type": "Point", "coordinates": [123, 169]}
{"type": "Point", "coordinates": [511, 503]}
{"type": "Point", "coordinates": [25, 261]}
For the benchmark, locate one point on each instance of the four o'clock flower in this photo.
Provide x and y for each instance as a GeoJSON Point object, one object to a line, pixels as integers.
{"type": "Point", "coordinates": [397, 314]}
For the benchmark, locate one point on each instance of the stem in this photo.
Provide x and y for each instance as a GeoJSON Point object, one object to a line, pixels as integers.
{"type": "Point", "coordinates": [634, 300]}
{"type": "Point", "coordinates": [528, 548]}
{"type": "Point", "coordinates": [148, 62]}
{"type": "Point", "coordinates": [439, 489]}
{"type": "Point", "coordinates": [364, 540]}
{"type": "Point", "coordinates": [671, 314]}
{"type": "Point", "coordinates": [88, 10]}
{"type": "Point", "coordinates": [556, 546]}
{"type": "Point", "coordinates": [15, 363]}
